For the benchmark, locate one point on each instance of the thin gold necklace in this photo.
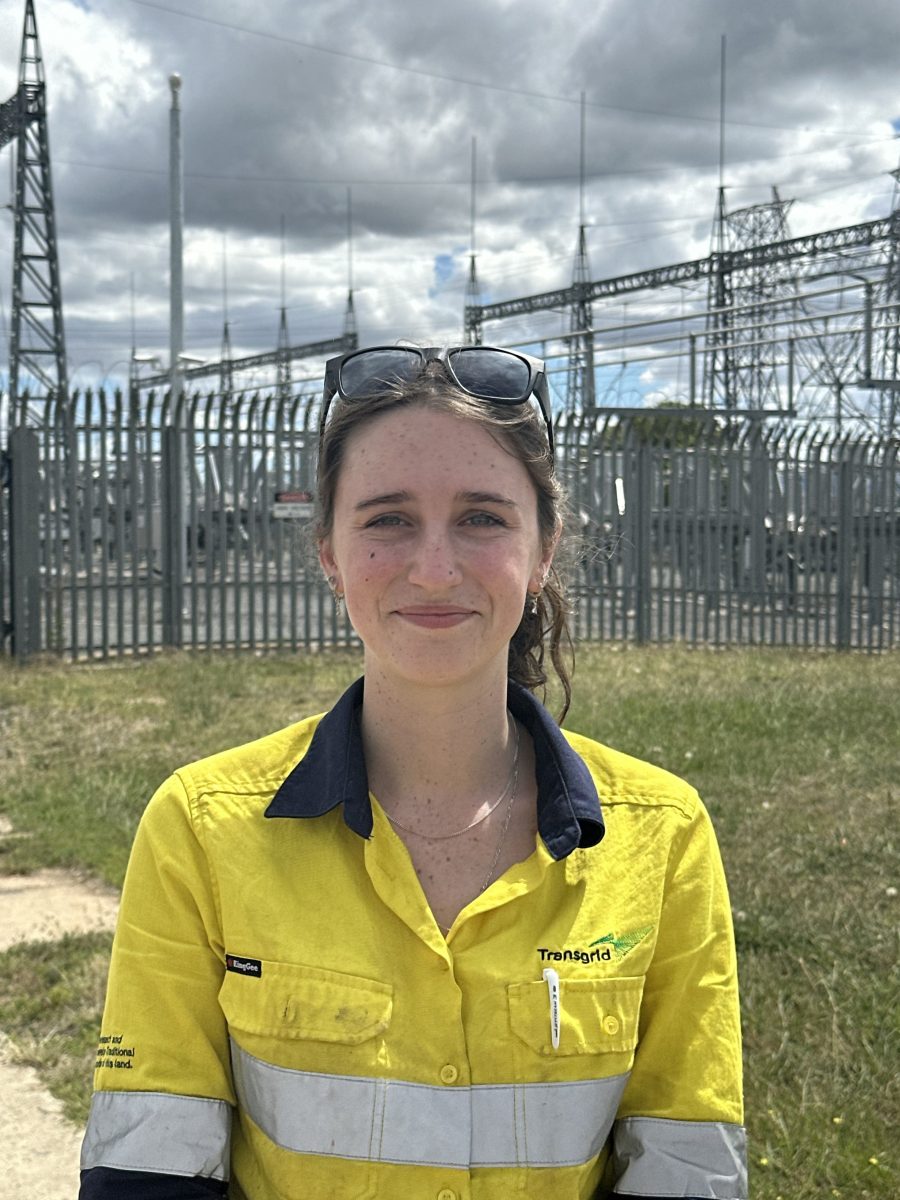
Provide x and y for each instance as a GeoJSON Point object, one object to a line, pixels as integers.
{"type": "Point", "coordinates": [445, 929]}
{"type": "Point", "coordinates": [509, 790]}
{"type": "Point", "coordinates": [509, 808]}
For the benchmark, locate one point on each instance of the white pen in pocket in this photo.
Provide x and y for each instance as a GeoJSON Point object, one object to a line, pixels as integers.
{"type": "Point", "coordinates": [552, 978]}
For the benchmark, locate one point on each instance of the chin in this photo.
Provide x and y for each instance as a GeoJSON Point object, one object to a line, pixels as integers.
{"type": "Point", "coordinates": [435, 670]}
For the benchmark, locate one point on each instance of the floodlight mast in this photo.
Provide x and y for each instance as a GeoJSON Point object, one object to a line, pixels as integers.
{"type": "Point", "coordinates": [176, 228]}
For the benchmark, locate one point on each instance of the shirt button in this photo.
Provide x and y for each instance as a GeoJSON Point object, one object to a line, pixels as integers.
{"type": "Point", "coordinates": [449, 1074]}
{"type": "Point", "coordinates": [610, 1025]}
{"type": "Point", "coordinates": [447, 1194]}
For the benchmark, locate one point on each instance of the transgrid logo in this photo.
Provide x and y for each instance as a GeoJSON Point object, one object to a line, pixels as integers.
{"type": "Point", "coordinates": [609, 948]}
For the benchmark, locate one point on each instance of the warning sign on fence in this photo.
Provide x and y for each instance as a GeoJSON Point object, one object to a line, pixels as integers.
{"type": "Point", "coordinates": [293, 506]}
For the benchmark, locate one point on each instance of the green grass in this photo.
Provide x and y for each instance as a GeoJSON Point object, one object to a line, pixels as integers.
{"type": "Point", "coordinates": [84, 747]}
{"type": "Point", "coordinates": [796, 754]}
{"type": "Point", "coordinates": [51, 995]}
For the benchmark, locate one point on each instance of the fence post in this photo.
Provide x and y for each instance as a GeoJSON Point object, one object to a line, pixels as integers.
{"type": "Point", "coordinates": [844, 548]}
{"type": "Point", "coordinates": [172, 503]}
{"type": "Point", "coordinates": [25, 571]}
{"type": "Point", "coordinates": [642, 528]}
{"type": "Point", "coordinates": [759, 491]}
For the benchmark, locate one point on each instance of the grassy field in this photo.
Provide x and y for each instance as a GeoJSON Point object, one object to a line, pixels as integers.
{"type": "Point", "coordinates": [796, 753]}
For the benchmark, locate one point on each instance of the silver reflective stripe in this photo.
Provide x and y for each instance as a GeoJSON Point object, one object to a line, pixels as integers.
{"type": "Point", "coordinates": [387, 1120]}
{"type": "Point", "coordinates": [155, 1131]}
{"type": "Point", "coordinates": [655, 1157]}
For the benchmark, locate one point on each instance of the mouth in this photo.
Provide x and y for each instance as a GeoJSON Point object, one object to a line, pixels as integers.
{"type": "Point", "coordinates": [434, 616]}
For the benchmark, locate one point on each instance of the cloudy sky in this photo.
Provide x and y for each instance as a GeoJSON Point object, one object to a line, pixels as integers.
{"type": "Point", "coordinates": [286, 106]}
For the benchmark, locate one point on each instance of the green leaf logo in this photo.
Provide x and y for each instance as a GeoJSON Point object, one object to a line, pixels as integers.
{"type": "Point", "coordinates": [626, 942]}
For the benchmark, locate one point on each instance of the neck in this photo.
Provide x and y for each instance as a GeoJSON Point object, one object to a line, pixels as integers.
{"type": "Point", "coordinates": [436, 754]}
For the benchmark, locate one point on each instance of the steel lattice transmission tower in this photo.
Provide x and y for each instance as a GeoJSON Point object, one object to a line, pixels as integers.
{"type": "Point", "coordinates": [37, 352]}
{"type": "Point", "coordinates": [742, 367]}
{"type": "Point", "coordinates": [473, 331]}
{"type": "Point", "coordinates": [889, 364]}
{"type": "Point", "coordinates": [580, 377]}
{"type": "Point", "coordinates": [580, 387]}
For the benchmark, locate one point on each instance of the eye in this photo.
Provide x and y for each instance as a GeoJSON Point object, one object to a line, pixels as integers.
{"type": "Point", "coordinates": [385, 520]}
{"type": "Point", "coordinates": [485, 519]}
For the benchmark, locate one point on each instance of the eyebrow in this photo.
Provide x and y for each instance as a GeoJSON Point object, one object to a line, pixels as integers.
{"type": "Point", "coordinates": [405, 497]}
{"type": "Point", "coordinates": [386, 498]}
{"type": "Point", "coordinates": [486, 498]}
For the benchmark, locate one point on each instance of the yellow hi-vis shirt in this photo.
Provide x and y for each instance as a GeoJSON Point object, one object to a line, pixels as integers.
{"type": "Point", "coordinates": [283, 1011]}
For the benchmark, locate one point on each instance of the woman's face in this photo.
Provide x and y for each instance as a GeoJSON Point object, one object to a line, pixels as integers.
{"type": "Point", "coordinates": [434, 544]}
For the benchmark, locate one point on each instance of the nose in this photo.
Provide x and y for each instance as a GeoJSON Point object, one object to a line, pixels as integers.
{"type": "Point", "coordinates": [434, 565]}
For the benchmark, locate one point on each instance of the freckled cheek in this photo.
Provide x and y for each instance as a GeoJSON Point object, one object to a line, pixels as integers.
{"type": "Point", "coordinates": [374, 566]}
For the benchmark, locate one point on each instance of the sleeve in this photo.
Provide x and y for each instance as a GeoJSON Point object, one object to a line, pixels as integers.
{"type": "Point", "coordinates": [679, 1129]}
{"type": "Point", "coordinates": [101, 1183]}
{"type": "Point", "coordinates": [163, 1092]}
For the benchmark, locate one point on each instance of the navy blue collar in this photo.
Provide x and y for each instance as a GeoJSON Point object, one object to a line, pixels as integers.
{"type": "Point", "coordinates": [333, 771]}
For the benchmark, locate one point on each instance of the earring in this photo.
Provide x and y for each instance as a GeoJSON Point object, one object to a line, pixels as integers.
{"type": "Point", "coordinates": [337, 597]}
{"type": "Point", "coordinates": [534, 603]}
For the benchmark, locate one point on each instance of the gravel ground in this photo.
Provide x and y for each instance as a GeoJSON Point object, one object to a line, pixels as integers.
{"type": "Point", "coordinates": [43, 906]}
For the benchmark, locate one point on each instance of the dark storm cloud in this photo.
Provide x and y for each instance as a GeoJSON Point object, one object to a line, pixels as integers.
{"type": "Point", "coordinates": [285, 106]}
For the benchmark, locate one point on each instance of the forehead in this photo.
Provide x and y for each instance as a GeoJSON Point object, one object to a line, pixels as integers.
{"type": "Point", "coordinates": [422, 450]}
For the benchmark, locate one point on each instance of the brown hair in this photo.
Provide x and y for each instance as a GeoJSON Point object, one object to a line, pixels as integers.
{"type": "Point", "coordinates": [520, 429]}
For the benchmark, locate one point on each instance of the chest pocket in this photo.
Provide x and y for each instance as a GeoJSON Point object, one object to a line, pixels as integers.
{"type": "Point", "coordinates": [309, 1012]}
{"type": "Point", "coordinates": [306, 1043]}
{"type": "Point", "coordinates": [597, 1016]}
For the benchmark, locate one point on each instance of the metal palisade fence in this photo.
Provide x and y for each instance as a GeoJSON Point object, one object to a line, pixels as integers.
{"type": "Point", "coordinates": [128, 524]}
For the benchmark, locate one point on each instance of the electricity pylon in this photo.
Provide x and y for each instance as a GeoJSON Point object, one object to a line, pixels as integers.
{"type": "Point", "coordinates": [37, 352]}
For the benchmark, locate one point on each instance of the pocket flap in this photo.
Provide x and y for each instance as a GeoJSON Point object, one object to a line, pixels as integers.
{"type": "Point", "coordinates": [597, 1016]}
{"type": "Point", "coordinates": [291, 1001]}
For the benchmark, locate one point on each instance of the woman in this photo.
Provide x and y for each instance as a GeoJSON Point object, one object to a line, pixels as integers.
{"type": "Point", "coordinates": [427, 944]}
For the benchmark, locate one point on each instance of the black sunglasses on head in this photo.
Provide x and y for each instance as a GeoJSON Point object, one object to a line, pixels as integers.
{"type": "Point", "coordinates": [489, 373]}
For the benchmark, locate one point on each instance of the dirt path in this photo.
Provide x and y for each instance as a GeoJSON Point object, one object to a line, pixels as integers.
{"type": "Point", "coordinates": [43, 1164]}
{"type": "Point", "coordinates": [43, 906]}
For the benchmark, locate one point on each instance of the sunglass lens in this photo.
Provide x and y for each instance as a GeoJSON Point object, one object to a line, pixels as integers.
{"type": "Point", "coordinates": [374, 371]}
{"type": "Point", "coordinates": [491, 374]}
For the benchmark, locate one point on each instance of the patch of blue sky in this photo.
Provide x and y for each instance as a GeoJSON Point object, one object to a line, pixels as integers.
{"type": "Point", "coordinates": [620, 386]}
{"type": "Point", "coordinates": [625, 386]}
{"type": "Point", "coordinates": [447, 270]}
{"type": "Point", "coordinates": [443, 273]}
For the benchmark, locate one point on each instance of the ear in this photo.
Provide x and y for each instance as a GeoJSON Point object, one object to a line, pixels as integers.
{"type": "Point", "coordinates": [328, 563]}
{"type": "Point", "coordinates": [545, 562]}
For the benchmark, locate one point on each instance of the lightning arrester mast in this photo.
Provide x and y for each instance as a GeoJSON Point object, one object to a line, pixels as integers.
{"type": "Point", "coordinates": [176, 229]}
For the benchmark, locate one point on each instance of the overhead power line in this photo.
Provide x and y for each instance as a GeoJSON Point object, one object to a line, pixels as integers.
{"type": "Point", "coordinates": [368, 60]}
{"type": "Point", "coordinates": [315, 181]}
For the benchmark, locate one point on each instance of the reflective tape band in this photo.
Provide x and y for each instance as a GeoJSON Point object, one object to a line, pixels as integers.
{"type": "Point", "coordinates": [389, 1120]}
{"type": "Point", "coordinates": [155, 1131]}
{"type": "Point", "coordinates": [655, 1157]}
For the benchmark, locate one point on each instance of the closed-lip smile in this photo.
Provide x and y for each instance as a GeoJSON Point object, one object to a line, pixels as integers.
{"type": "Point", "coordinates": [434, 615]}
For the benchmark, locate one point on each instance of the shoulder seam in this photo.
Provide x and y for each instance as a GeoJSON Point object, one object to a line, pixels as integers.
{"type": "Point", "coordinates": [687, 807]}
{"type": "Point", "coordinates": [200, 789]}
